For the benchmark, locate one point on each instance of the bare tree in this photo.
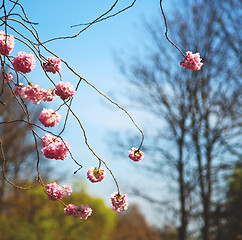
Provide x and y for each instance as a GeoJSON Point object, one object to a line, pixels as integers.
{"type": "Point", "coordinates": [132, 225]}
{"type": "Point", "coordinates": [200, 109]}
{"type": "Point", "coordinates": [19, 150]}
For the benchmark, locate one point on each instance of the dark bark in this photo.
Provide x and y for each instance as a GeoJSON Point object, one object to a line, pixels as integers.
{"type": "Point", "coordinates": [184, 220]}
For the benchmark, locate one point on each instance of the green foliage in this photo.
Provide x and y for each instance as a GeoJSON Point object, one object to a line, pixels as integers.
{"type": "Point", "coordinates": [30, 215]}
{"type": "Point", "coordinates": [234, 210]}
{"type": "Point", "coordinates": [228, 220]}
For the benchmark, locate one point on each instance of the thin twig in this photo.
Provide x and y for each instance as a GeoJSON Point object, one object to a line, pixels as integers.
{"type": "Point", "coordinates": [105, 18]}
{"type": "Point", "coordinates": [166, 33]}
{"type": "Point", "coordinates": [74, 36]}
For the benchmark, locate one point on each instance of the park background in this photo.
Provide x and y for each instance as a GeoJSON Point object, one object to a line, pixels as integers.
{"type": "Point", "coordinates": [96, 54]}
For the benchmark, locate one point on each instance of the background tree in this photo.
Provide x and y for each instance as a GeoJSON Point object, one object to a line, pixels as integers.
{"type": "Point", "coordinates": [19, 150]}
{"type": "Point", "coordinates": [228, 220]}
{"type": "Point", "coordinates": [200, 110]}
{"type": "Point", "coordinates": [132, 225]}
{"type": "Point", "coordinates": [234, 210]}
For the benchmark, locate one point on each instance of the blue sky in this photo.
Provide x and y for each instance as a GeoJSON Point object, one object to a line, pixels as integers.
{"type": "Point", "coordinates": [91, 55]}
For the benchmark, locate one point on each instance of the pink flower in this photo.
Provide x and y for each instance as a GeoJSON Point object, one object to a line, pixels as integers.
{"type": "Point", "coordinates": [54, 191]}
{"type": "Point", "coordinates": [18, 89]}
{"type": "Point", "coordinates": [24, 62]}
{"type": "Point", "coordinates": [48, 95]}
{"type": "Point", "coordinates": [49, 118]}
{"type": "Point", "coordinates": [96, 175]}
{"type": "Point", "coordinates": [32, 93]}
{"type": "Point", "coordinates": [135, 154]}
{"type": "Point", "coordinates": [54, 147]}
{"type": "Point", "coordinates": [52, 65]}
{"type": "Point", "coordinates": [6, 43]}
{"type": "Point", "coordinates": [67, 189]}
{"type": "Point", "coordinates": [64, 90]}
{"type": "Point", "coordinates": [192, 61]}
{"type": "Point", "coordinates": [85, 212]}
{"type": "Point", "coordinates": [8, 78]}
{"type": "Point", "coordinates": [75, 211]}
{"type": "Point", "coordinates": [119, 202]}
{"type": "Point", "coordinates": [72, 210]}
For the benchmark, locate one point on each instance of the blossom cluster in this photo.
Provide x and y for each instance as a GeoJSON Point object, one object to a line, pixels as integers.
{"type": "Point", "coordinates": [6, 43]}
{"type": "Point", "coordinates": [64, 90]}
{"type": "Point", "coordinates": [49, 118]}
{"type": "Point", "coordinates": [192, 61]}
{"type": "Point", "coordinates": [67, 189]}
{"type": "Point", "coordinates": [48, 95]}
{"type": "Point", "coordinates": [54, 147]}
{"type": "Point", "coordinates": [135, 154]}
{"type": "Point", "coordinates": [24, 62]}
{"type": "Point", "coordinates": [72, 210]}
{"type": "Point", "coordinates": [85, 212]}
{"type": "Point", "coordinates": [34, 93]}
{"type": "Point", "coordinates": [75, 211]}
{"type": "Point", "coordinates": [52, 65]}
{"type": "Point", "coordinates": [56, 192]}
{"type": "Point", "coordinates": [119, 202]}
{"type": "Point", "coordinates": [96, 174]}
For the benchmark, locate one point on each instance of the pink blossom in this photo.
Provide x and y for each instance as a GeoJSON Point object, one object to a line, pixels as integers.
{"type": "Point", "coordinates": [135, 154]}
{"type": "Point", "coordinates": [67, 189]}
{"type": "Point", "coordinates": [85, 212]}
{"type": "Point", "coordinates": [18, 89]}
{"type": "Point", "coordinates": [75, 211]}
{"type": "Point", "coordinates": [52, 65]}
{"type": "Point", "coordinates": [96, 175]}
{"type": "Point", "coordinates": [64, 90]}
{"type": "Point", "coordinates": [32, 93]}
{"type": "Point", "coordinates": [119, 202]}
{"type": "Point", "coordinates": [49, 118]}
{"type": "Point", "coordinates": [24, 62]}
{"type": "Point", "coordinates": [6, 47]}
{"type": "Point", "coordinates": [192, 61]}
{"type": "Point", "coordinates": [54, 147]}
{"type": "Point", "coordinates": [8, 78]}
{"type": "Point", "coordinates": [48, 95]}
{"type": "Point", "coordinates": [48, 139]}
{"type": "Point", "coordinates": [72, 210]}
{"type": "Point", "coordinates": [54, 191]}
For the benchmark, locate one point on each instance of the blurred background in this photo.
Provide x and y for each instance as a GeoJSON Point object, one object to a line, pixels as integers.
{"type": "Point", "coordinates": [189, 184]}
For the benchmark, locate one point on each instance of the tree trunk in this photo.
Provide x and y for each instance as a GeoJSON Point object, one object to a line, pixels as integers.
{"type": "Point", "coordinates": [183, 227]}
